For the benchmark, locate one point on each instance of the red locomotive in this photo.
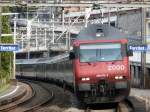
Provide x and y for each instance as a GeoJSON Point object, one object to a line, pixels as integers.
{"type": "Point", "coordinates": [101, 65]}
{"type": "Point", "coordinates": [98, 70]}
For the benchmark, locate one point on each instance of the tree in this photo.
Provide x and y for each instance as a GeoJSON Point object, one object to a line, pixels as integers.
{"type": "Point", "coordinates": [5, 56]}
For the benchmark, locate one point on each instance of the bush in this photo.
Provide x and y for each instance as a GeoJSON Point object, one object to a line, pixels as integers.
{"type": "Point", "coordinates": [5, 57]}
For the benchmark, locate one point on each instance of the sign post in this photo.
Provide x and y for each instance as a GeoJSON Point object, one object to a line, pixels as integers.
{"type": "Point", "coordinates": [14, 59]}
{"type": "Point", "coordinates": [9, 47]}
{"type": "Point", "coordinates": [143, 54]}
{"type": "Point", "coordinates": [141, 48]}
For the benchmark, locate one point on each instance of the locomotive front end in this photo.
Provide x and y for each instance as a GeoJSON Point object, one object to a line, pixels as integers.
{"type": "Point", "coordinates": [101, 71]}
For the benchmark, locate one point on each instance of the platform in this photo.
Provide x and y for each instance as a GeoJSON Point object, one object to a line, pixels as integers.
{"type": "Point", "coordinates": [140, 92]}
{"type": "Point", "coordinates": [141, 95]}
{"type": "Point", "coordinates": [12, 93]}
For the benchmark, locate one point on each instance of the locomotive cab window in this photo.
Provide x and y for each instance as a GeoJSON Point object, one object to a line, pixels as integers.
{"type": "Point", "coordinates": [100, 52]}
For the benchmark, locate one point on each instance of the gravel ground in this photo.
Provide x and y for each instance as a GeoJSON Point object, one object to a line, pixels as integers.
{"type": "Point", "coordinates": [64, 101]}
{"type": "Point", "coordinates": [55, 108]}
{"type": "Point", "coordinates": [71, 109]}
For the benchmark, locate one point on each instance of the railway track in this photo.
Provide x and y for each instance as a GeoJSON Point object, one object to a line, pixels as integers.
{"type": "Point", "coordinates": [62, 98]}
{"type": "Point", "coordinates": [65, 101]}
{"type": "Point", "coordinates": [121, 107]}
{"type": "Point", "coordinates": [125, 106]}
{"type": "Point", "coordinates": [59, 101]}
{"type": "Point", "coordinates": [40, 96]}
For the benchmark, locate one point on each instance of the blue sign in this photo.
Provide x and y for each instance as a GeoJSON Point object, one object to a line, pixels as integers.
{"type": "Point", "coordinates": [138, 47]}
{"type": "Point", "coordinates": [9, 47]}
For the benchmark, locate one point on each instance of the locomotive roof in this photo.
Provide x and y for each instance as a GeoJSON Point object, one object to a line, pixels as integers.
{"type": "Point", "coordinates": [105, 32]}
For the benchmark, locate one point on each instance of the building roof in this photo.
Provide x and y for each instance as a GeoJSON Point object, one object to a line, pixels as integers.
{"type": "Point", "coordinates": [100, 31]}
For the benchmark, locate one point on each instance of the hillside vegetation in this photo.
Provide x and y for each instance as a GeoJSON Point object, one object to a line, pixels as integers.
{"type": "Point", "coordinates": [5, 57]}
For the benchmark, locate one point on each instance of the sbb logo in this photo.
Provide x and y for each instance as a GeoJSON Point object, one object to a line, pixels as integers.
{"type": "Point", "coordinates": [116, 67]}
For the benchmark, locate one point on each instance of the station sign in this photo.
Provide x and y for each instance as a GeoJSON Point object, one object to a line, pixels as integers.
{"type": "Point", "coordinates": [138, 47]}
{"type": "Point", "coordinates": [9, 47]}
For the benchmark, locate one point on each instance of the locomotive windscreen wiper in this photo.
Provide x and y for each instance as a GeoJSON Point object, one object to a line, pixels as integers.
{"type": "Point", "coordinates": [116, 59]}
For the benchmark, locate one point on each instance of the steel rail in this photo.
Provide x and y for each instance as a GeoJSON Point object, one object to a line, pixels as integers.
{"type": "Point", "coordinates": [27, 96]}
{"type": "Point", "coordinates": [33, 103]}
{"type": "Point", "coordinates": [51, 96]}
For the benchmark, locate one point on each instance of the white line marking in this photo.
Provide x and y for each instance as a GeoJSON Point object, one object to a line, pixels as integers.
{"type": "Point", "coordinates": [10, 93]}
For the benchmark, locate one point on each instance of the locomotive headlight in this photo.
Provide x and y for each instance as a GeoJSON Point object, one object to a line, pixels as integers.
{"type": "Point", "coordinates": [118, 77]}
{"type": "Point", "coordinates": [88, 78]}
{"type": "Point", "coordinates": [85, 79]}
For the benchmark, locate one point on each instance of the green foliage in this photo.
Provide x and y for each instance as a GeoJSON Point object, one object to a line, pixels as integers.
{"type": "Point", "coordinates": [5, 56]}
{"type": "Point", "coordinates": [5, 23]}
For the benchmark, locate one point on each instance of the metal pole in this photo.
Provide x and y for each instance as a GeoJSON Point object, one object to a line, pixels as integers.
{"type": "Point", "coordinates": [66, 40]}
{"type": "Point", "coordinates": [36, 39]}
{"type": "Point", "coordinates": [45, 38]}
{"type": "Point", "coordinates": [45, 71]}
{"type": "Point", "coordinates": [143, 53]}
{"type": "Point", "coordinates": [69, 34]}
{"type": "Point", "coordinates": [0, 30]}
{"type": "Point", "coordinates": [117, 21]}
{"type": "Point", "coordinates": [53, 28]}
{"type": "Point", "coordinates": [109, 16]}
{"type": "Point", "coordinates": [102, 11]}
{"type": "Point", "coordinates": [28, 32]}
{"type": "Point", "coordinates": [14, 60]}
{"type": "Point", "coordinates": [69, 40]}
{"type": "Point", "coordinates": [87, 15]}
{"type": "Point", "coordinates": [10, 69]}
{"type": "Point", "coordinates": [22, 41]}
{"type": "Point", "coordinates": [63, 19]}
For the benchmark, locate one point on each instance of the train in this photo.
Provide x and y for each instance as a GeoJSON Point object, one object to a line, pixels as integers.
{"type": "Point", "coordinates": [97, 67]}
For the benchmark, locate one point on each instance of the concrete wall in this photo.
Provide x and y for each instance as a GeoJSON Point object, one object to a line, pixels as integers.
{"type": "Point", "coordinates": [130, 22]}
